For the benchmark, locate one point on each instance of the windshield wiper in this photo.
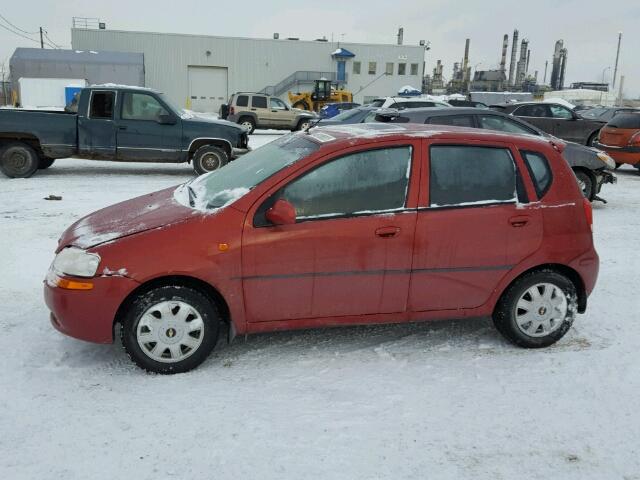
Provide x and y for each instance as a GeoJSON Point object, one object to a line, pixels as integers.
{"type": "Point", "coordinates": [192, 196]}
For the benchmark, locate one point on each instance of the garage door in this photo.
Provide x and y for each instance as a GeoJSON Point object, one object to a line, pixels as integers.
{"type": "Point", "coordinates": [207, 88]}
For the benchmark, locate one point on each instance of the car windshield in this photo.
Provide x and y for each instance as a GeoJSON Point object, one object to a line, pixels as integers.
{"type": "Point", "coordinates": [223, 186]}
{"type": "Point", "coordinates": [593, 112]}
{"type": "Point", "coordinates": [347, 114]}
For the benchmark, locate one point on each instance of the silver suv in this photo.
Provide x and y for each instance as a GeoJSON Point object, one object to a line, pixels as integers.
{"type": "Point", "coordinates": [256, 110]}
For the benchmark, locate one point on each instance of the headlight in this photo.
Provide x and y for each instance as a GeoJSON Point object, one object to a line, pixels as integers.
{"type": "Point", "coordinates": [610, 162]}
{"type": "Point", "coordinates": [76, 262]}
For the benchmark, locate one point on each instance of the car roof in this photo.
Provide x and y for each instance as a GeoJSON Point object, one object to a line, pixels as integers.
{"type": "Point", "coordinates": [337, 135]}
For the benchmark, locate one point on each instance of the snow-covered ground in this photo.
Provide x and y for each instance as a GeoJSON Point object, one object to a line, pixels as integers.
{"type": "Point", "coordinates": [441, 400]}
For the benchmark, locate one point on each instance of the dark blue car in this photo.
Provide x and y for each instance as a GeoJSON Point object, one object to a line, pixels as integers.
{"type": "Point", "coordinates": [333, 109]}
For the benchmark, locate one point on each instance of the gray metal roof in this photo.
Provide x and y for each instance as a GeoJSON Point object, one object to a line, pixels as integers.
{"type": "Point", "coordinates": [84, 57]}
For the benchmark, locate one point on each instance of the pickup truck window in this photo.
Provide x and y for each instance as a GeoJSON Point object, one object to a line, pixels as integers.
{"type": "Point", "coordinates": [141, 106]}
{"type": "Point", "coordinates": [102, 104]}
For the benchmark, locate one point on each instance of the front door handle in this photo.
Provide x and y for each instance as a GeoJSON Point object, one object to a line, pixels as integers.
{"type": "Point", "coordinates": [519, 221]}
{"type": "Point", "coordinates": [387, 232]}
{"type": "Point", "coordinates": [122, 127]}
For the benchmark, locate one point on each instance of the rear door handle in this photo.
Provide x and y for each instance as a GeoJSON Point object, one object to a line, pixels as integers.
{"type": "Point", "coordinates": [387, 232]}
{"type": "Point", "coordinates": [519, 221]}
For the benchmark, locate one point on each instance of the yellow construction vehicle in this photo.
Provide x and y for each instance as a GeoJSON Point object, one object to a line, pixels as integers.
{"type": "Point", "coordinates": [323, 92]}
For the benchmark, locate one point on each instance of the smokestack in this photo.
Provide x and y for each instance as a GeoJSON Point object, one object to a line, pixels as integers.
{"type": "Point", "coordinates": [505, 47]}
{"type": "Point", "coordinates": [465, 62]}
{"type": "Point", "coordinates": [526, 68]}
{"type": "Point", "coordinates": [563, 55]}
{"type": "Point", "coordinates": [546, 64]}
{"type": "Point", "coordinates": [556, 65]}
{"type": "Point", "coordinates": [615, 69]}
{"type": "Point", "coordinates": [514, 52]}
{"type": "Point", "coordinates": [400, 35]}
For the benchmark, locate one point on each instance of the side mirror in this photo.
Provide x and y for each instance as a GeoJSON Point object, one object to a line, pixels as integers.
{"type": "Point", "coordinates": [166, 119]}
{"type": "Point", "coordinates": [281, 213]}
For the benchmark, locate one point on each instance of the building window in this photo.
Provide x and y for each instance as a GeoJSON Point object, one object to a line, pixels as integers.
{"type": "Point", "coordinates": [372, 68]}
{"type": "Point", "coordinates": [402, 69]}
{"type": "Point", "coordinates": [389, 69]}
{"type": "Point", "coordinates": [414, 69]}
{"type": "Point", "coordinates": [356, 68]}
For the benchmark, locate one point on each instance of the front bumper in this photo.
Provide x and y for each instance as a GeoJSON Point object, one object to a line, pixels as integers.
{"type": "Point", "coordinates": [602, 177]}
{"type": "Point", "coordinates": [88, 314]}
{"type": "Point", "coordinates": [236, 152]}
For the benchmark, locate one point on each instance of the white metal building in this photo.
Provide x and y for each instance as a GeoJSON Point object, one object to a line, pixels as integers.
{"type": "Point", "coordinates": [200, 72]}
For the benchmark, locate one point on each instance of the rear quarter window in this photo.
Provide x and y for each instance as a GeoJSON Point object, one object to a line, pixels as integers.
{"type": "Point", "coordinates": [540, 171]}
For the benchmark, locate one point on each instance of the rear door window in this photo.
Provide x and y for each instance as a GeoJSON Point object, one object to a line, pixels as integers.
{"type": "Point", "coordinates": [502, 124]}
{"type": "Point", "coordinates": [242, 101]}
{"type": "Point", "coordinates": [259, 102]}
{"type": "Point", "coordinates": [468, 175]}
{"type": "Point", "coordinates": [102, 104]}
{"type": "Point", "coordinates": [540, 171]}
{"type": "Point", "coordinates": [534, 111]}
{"type": "Point", "coordinates": [453, 120]}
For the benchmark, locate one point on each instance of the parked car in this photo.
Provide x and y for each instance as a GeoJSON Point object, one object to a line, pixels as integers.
{"type": "Point", "coordinates": [605, 114]}
{"type": "Point", "coordinates": [555, 119]}
{"type": "Point", "coordinates": [335, 226]}
{"type": "Point", "coordinates": [333, 109]}
{"type": "Point", "coordinates": [590, 165]}
{"type": "Point", "coordinates": [258, 110]}
{"type": "Point", "coordinates": [401, 103]}
{"type": "Point", "coordinates": [361, 114]}
{"type": "Point", "coordinates": [620, 138]}
{"type": "Point", "coordinates": [466, 103]}
{"type": "Point", "coordinates": [126, 124]}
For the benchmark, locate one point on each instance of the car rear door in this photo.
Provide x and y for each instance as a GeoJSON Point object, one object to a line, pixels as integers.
{"type": "Point", "coordinates": [537, 114]}
{"type": "Point", "coordinates": [350, 250]}
{"type": "Point", "coordinates": [474, 224]}
{"type": "Point", "coordinates": [260, 107]}
{"type": "Point", "coordinates": [96, 126]}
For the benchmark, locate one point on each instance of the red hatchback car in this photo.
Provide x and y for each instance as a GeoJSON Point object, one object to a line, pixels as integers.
{"type": "Point", "coordinates": [337, 226]}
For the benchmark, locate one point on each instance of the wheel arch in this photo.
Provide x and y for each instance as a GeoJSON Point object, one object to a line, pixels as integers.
{"type": "Point", "coordinates": [216, 142]}
{"type": "Point", "coordinates": [172, 280]}
{"type": "Point", "coordinates": [565, 270]}
{"type": "Point", "coordinates": [26, 138]}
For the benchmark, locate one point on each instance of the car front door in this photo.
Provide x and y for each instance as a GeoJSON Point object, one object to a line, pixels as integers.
{"type": "Point", "coordinates": [147, 131]}
{"type": "Point", "coordinates": [349, 252]}
{"type": "Point", "coordinates": [566, 125]}
{"type": "Point", "coordinates": [474, 224]}
{"type": "Point", "coordinates": [537, 114]}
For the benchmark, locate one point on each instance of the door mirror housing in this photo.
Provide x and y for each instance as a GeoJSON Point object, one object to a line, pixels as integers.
{"type": "Point", "coordinates": [281, 213]}
{"type": "Point", "coordinates": [166, 119]}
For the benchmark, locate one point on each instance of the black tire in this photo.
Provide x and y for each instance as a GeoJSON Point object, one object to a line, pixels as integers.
{"type": "Point", "coordinates": [587, 184]}
{"type": "Point", "coordinates": [209, 158]}
{"type": "Point", "coordinates": [45, 162]}
{"type": "Point", "coordinates": [301, 104]}
{"type": "Point", "coordinates": [249, 123]}
{"type": "Point", "coordinates": [505, 313]}
{"type": "Point", "coordinates": [303, 123]}
{"type": "Point", "coordinates": [18, 160]}
{"type": "Point", "coordinates": [145, 303]}
{"type": "Point", "coordinates": [593, 138]}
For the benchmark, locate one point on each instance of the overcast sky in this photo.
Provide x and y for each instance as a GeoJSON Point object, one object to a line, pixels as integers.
{"type": "Point", "coordinates": [589, 28]}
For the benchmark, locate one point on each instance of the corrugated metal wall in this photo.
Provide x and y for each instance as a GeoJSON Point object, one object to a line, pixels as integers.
{"type": "Point", "coordinates": [252, 63]}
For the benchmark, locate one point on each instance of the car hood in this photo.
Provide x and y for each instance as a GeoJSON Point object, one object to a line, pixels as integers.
{"type": "Point", "coordinates": [196, 120]}
{"type": "Point", "coordinates": [302, 111]}
{"type": "Point", "coordinates": [155, 210]}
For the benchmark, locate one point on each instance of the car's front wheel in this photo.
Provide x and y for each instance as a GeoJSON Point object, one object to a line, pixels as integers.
{"type": "Point", "coordinates": [537, 310]}
{"type": "Point", "coordinates": [170, 329]}
{"type": "Point", "coordinates": [209, 158]}
{"type": "Point", "coordinates": [303, 124]}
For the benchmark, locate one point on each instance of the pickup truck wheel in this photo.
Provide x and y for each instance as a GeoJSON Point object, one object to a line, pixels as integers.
{"type": "Point", "coordinates": [248, 123]}
{"type": "Point", "coordinates": [209, 158]}
{"type": "Point", "coordinates": [18, 160]}
{"type": "Point", "coordinates": [587, 184]}
{"type": "Point", "coordinates": [45, 162]}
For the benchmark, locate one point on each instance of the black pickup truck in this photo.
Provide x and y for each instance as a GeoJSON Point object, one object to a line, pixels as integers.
{"type": "Point", "coordinates": [112, 122]}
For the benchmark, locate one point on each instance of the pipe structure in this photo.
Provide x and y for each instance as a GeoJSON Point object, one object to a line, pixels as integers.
{"type": "Point", "coordinates": [505, 47]}
{"type": "Point", "coordinates": [615, 70]}
{"type": "Point", "coordinates": [514, 52]}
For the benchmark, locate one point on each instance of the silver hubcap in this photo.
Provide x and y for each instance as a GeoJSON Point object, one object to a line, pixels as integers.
{"type": "Point", "coordinates": [211, 161]}
{"type": "Point", "coordinates": [304, 125]}
{"type": "Point", "coordinates": [583, 186]}
{"type": "Point", "coordinates": [541, 310]}
{"type": "Point", "coordinates": [247, 125]}
{"type": "Point", "coordinates": [170, 331]}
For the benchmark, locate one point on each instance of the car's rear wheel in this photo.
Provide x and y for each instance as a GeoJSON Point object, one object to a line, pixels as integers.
{"type": "Point", "coordinates": [170, 329]}
{"type": "Point", "coordinates": [248, 123]}
{"type": "Point", "coordinates": [303, 124]}
{"type": "Point", "coordinates": [209, 158]}
{"type": "Point", "coordinates": [18, 160]}
{"type": "Point", "coordinates": [592, 139]}
{"type": "Point", "coordinates": [45, 162]}
{"type": "Point", "coordinates": [587, 184]}
{"type": "Point", "coordinates": [537, 310]}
